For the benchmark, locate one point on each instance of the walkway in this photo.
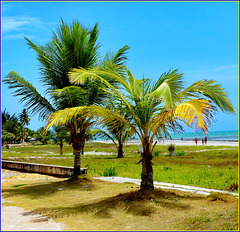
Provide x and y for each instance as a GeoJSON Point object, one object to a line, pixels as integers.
{"type": "Point", "coordinates": [163, 185]}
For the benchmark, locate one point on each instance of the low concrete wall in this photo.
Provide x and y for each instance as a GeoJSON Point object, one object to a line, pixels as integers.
{"type": "Point", "coordinates": [40, 168]}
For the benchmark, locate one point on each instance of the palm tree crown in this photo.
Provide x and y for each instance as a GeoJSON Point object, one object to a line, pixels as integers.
{"type": "Point", "coordinates": [154, 108]}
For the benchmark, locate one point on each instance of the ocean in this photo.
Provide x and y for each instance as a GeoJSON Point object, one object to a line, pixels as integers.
{"type": "Point", "coordinates": [215, 135]}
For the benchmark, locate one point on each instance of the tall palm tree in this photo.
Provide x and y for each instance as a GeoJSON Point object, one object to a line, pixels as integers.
{"type": "Point", "coordinates": [155, 108]}
{"type": "Point", "coordinates": [71, 46]}
{"type": "Point", "coordinates": [24, 119]}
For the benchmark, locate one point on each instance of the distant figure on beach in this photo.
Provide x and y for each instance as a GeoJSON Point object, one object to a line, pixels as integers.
{"type": "Point", "coordinates": [196, 141]}
{"type": "Point", "coordinates": [181, 138]}
{"type": "Point", "coordinates": [205, 139]}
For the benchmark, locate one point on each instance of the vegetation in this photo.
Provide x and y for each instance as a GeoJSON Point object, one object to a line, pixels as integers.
{"type": "Point", "coordinates": [202, 166]}
{"type": "Point", "coordinates": [13, 130]}
{"type": "Point", "coordinates": [154, 108]}
{"type": "Point", "coordinates": [71, 46]}
{"type": "Point", "coordinates": [24, 119]}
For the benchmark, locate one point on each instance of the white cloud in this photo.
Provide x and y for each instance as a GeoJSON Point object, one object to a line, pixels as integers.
{"type": "Point", "coordinates": [17, 36]}
{"type": "Point", "coordinates": [17, 23]}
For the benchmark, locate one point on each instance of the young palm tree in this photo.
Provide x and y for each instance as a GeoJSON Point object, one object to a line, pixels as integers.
{"type": "Point", "coordinates": [155, 108]}
{"type": "Point", "coordinates": [118, 134]}
{"type": "Point", "coordinates": [70, 47]}
{"type": "Point", "coordinates": [24, 119]}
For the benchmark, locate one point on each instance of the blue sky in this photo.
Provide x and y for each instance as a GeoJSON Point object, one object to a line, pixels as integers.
{"type": "Point", "coordinates": [198, 38]}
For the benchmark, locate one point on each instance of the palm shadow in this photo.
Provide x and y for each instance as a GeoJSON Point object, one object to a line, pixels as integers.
{"type": "Point", "coordinates": [137, 203]}
{"type": "Point", "coordinates": [41, 190]}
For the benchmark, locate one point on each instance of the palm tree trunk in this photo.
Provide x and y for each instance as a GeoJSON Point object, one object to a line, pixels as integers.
{"type": "Point", "coordinates": [78, 143]}
{"type": "Point", "coordinates": [120, 150]}
{"type": "Point", "coordinates": [23, 133]}
{"type": "Point", "coordinates": [147, 170]}
{"type": "Point", "coordinates": [61, 147]}
{"type": "Point", "coordinates": [77, 156]}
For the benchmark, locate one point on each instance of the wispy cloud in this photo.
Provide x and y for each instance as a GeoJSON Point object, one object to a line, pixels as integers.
{"type": "Point", "coordinates": [216, 69]}
{"type": "Point", "coordinates": [17, 23]}
{"type": "Point", "coordinates": [18, 36]}
{"type": "Point", "coordinates": [224, 67]}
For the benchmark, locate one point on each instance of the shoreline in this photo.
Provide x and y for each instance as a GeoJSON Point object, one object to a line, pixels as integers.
{"type": "Point", "coordinates": [179, 142]}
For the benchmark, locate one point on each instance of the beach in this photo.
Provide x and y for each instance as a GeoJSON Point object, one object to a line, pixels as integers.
{"type": "Point", "coordinates": [183, 142]}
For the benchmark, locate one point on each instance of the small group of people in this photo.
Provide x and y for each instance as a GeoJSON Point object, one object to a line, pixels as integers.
{"type": "Point", "coordinates": [204, 140]}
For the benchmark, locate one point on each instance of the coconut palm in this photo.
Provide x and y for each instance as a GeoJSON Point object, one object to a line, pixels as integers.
{"type": "Point", "coordinates": [60, 134]}
{"type": "Point", "coordinates": [71, 46]}
{"type": "Point", "coordinates": [119, 134]}
{"type": "Point", "coordinates": [24, 119]}
{"type": "Point", "coordinates": [155, 108]}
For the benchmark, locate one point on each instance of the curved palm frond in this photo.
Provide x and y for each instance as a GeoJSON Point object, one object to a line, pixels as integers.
{"type": "Point", "coordinates": [168, 87]}
{"type": "Point", "coordinates": [103, 134]}
{"type": "Point", "coordinates": [213, 91]}
{"type": "Point", "coordinates": [104, 116]}
{"type": "Point", "coordinates": [69, 96]}
{"type": "Point", "coordinates": [80, 76]}
{"type": "Point", "coordinates": [33, 100]}
{"type": "Point", "coordinates": [196, 113]}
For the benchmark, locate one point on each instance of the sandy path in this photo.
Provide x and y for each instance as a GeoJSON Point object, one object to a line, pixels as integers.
{"type": "Point", "coordinates": [17, 219]}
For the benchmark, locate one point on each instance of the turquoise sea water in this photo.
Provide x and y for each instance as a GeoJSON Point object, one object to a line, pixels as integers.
{"type": "Point", "coordinates": [216, 135]}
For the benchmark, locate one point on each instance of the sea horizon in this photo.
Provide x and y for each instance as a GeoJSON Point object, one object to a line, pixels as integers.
{"type": "Point", "coordinates": [212, 136]}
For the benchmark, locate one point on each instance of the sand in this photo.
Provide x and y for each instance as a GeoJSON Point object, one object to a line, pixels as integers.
{"type": "Point", "coordinates": [16, 218]}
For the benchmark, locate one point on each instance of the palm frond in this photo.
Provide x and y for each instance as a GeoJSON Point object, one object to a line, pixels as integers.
{"type": "Point", "coordinates": [167, 87]}
{"type": "Point", "coordinates": [104, 116]}
{"type": "Point", "coordinates": [196, 113]}
{"type": "Point", "coordinates": [80, 76]}
{"type": "Point", "coordinates": [103, 134]}
{"type": "Point", "coordinates": [213, 91]}
{"type": "Point", "coordinates": [32, 100]}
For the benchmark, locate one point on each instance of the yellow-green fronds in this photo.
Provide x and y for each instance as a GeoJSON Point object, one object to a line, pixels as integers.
{"type": "Point", "coordinates": [168, 87]}
{"type": "Point", "coordinates": [211, 90]}
{"type": "Point", "coordinates": [69, 115]}
{"type": "Point", "coordinates": [196, 113]}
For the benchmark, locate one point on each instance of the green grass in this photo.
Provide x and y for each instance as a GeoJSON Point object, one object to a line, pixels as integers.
{"type": "Point", "coordinates": [214, 168]}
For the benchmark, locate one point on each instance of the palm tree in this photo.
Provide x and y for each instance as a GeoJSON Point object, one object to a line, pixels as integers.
{"type": "Point", "coordinates": [24, 119]}
{"type": "Point", "coordinates": [60, 134]}
{"type": "Point", "coordinates": [155, 108]}
{"type": "Point", "coordinates": [42, 136]}
{"type": "Point", "coordinates": [71, 46]}
{"type": "Point", "coordinates": [117, 134]}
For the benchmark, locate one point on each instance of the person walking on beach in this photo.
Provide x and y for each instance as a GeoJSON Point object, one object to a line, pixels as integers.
{"type": "Point", "coordinates": [196, 140]}
{"type": "Point", "coordinates": [202, 141]}
{"type": "Point", "coordinates": [205, 139]}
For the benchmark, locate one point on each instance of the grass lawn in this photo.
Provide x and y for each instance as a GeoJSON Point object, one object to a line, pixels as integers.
{"type": "Point", "coordinates": [95, 205]}
{"type": "Point", "coordinates": [202, 166]}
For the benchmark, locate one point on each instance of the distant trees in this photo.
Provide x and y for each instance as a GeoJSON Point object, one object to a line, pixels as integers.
{"type": "Point", "coordinates": [24, 119]}
{"type": "Point", "coordinates": [42, 137]}
{"type": "Point", "coordinates": [11, 128]}
{"type": "Point", "coordinates": [59, 135]}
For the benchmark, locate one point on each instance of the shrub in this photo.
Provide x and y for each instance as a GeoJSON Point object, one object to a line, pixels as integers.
{"type": "Point", "coordinates": [109, 172]}
{"type": "Point", "coordinates": [171, 147]}
{"type": "Point", "coordinates": [180, 153]}
{"type": "Point", "coordinates": [156, 153]}
{"type": "Point", "coordinates": [233, 187]}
